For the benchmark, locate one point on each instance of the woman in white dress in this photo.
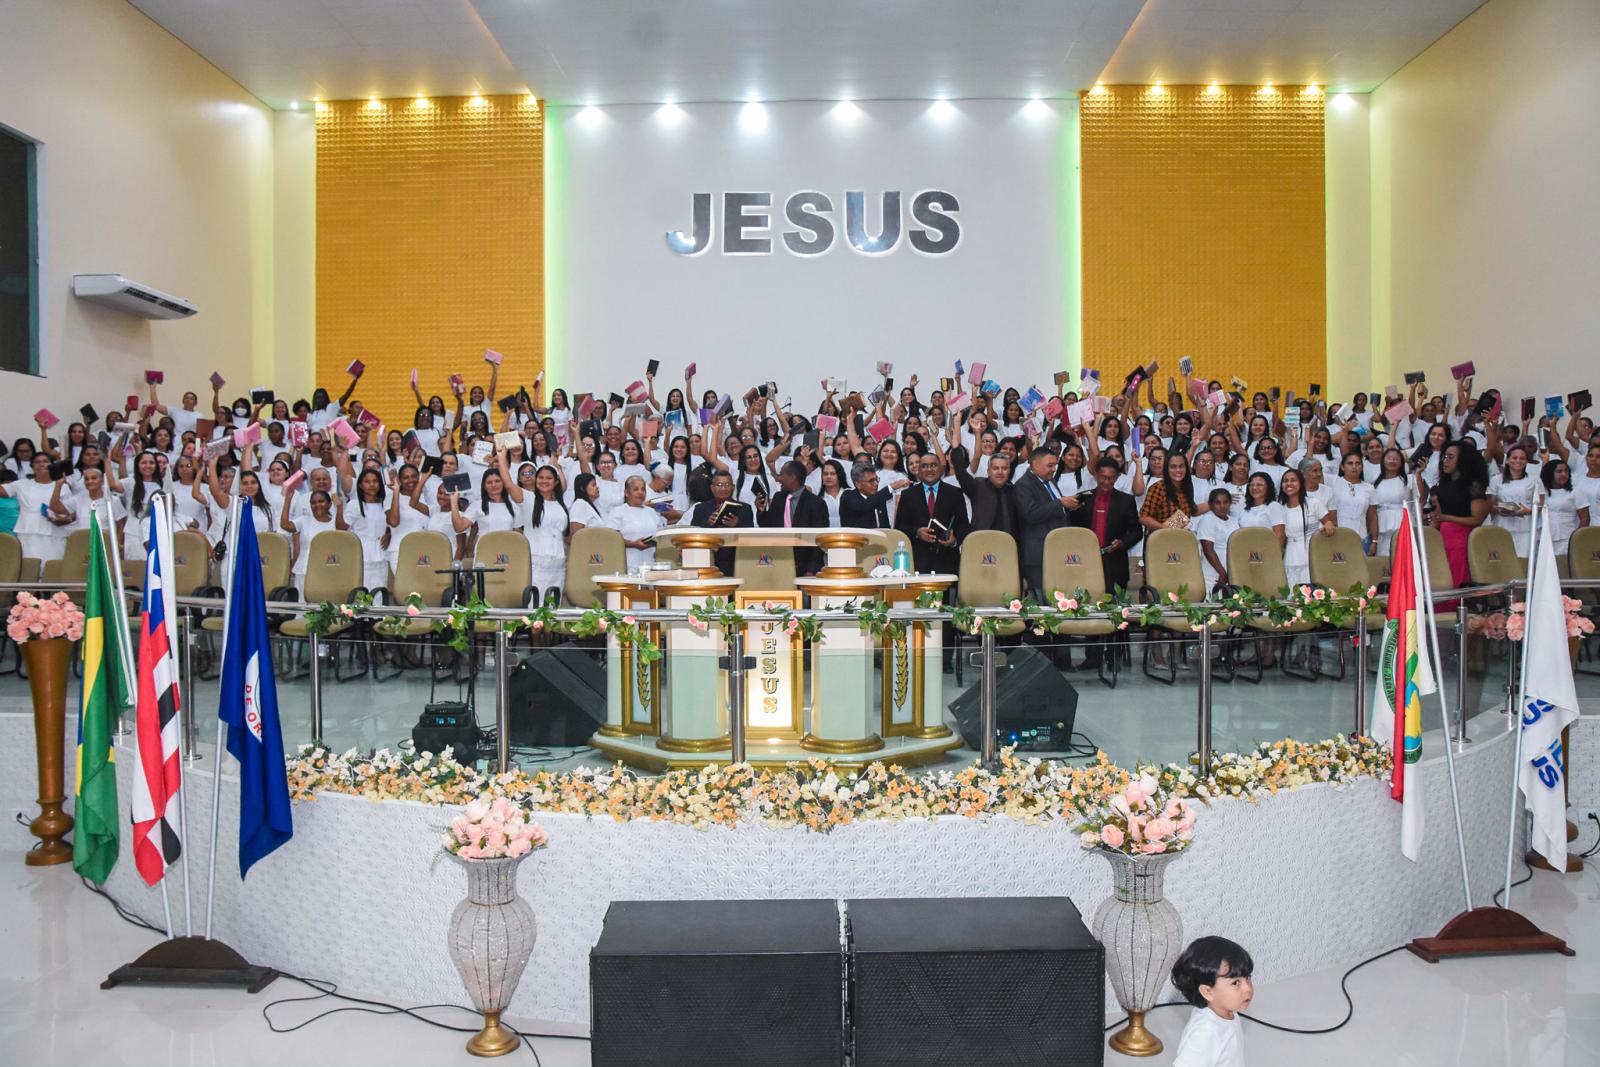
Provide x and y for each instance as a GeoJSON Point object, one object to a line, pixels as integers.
{"type": "Point", "coordinates": [1567, 508]}
{"type": "Point", "coordinates": [1238, 478]}
{"type": "Point", "coordinates": [584, 510]}
{"type": "Point", "coordinates": [453, 519]}
{"type": "Point", "coordinates": [324, 512]}
{"type": "Point", "coordinates": [1315, 488]}
{"type": "Point", "coordinates": [367, 516]}
{"type": "Point", "coordinates": [407, 512]}
{"type": "Point", "coordinates": [191, 513]}
{"type": "Point", "coordinates": [1513, 498]}
{"type": "Point", "coordinates": [94, 494]}
{"type": "Point", "coordinates": [1261, 508]}
{"type": "Point", "coordinates": [672, 472]}
{"type": "Point", "coordinates": [1390, 493]}
{"type": "Point", "coordinates": [496, 510]}
{"type": "Point", "coordinates": [145, 482]}
{"type": "Point", "coordinates": [637, 524]}
{"type": "Point", "coordinates": [1353, 505]}
{"type": "Point", "coordinates": [45, 511]}
{"type": "Point", "coordinates": [545, 522]}
{"type": "Point", "coordinates": [1303, 517]}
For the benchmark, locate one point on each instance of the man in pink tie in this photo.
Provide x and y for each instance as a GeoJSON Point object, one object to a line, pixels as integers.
{"type": "Point", "coordinates": [796, 507]}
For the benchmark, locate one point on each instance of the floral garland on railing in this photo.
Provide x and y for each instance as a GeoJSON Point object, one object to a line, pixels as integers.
{"type": "Point", "coordinates": [819, 795]}
{"type": "Point", "coordinates": [1293, 605]}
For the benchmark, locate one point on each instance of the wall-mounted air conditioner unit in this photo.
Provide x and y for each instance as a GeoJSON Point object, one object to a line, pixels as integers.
{"type": "Point", "coordinates": [115, 291]}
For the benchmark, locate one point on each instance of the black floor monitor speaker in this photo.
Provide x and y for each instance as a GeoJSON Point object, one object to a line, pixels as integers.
{"type": "Point", "coordinates": [968, 982]}
{"type": "Point", "coordinates": [1037, 706]}
{"type": "Point", "coordinates": [718, 983]}
{"type": "Point", "coordinates": [558, 697]}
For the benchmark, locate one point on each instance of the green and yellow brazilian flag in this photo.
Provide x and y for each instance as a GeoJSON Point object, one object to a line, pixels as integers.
{"type": "Point", "coordinates": [107, 691]}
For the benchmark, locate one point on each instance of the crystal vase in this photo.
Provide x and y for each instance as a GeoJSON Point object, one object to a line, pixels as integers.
{"type": "Point", "coordinates": [491, 937]}
{"type": "Point", "coordinates": [1143, 935]}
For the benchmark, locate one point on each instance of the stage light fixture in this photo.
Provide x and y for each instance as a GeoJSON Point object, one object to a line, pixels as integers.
{"type": "Point", "coordinates": [477, 99]}
{"type": "Point", "coordinates": [753, 117]}
{"type": "Point", "coordinates": [422, 102]}
{"type": "Point", "coordinates": [1099, 89]}
{"type": "Point", "coordinates": [590, 115]}
{"type": "Point", "coordinates": [942, 109]}
{"type": "Point", "coordinates": [1267, 89]}
{"type": "Point", "coordinates": [294, 105]}
{"type": "Point", "coordinates": [1036, 108]}
{"type": "Point", "coordinates": [373, 103]}
{"type": "Point", "coordinates": [847, 111]}
{"type": "Point", "coordinates": [1312, 89]}
{"type": "Point", "coordinates": [321, 106]}
{"type": "Point", "coordinates": [670, 114]}
{"type": "Point", "coordinates": [1213, 89]}
{"type": "Point", "coordinates": [1343, 102]}
{"type": "Point", "coordinates": [1157, 89]}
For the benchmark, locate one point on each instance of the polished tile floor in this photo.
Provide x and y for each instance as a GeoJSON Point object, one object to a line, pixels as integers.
{"type": "Point", "coordinates": [60, 941]}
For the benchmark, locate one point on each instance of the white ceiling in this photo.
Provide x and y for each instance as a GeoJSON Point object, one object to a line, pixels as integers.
{"type": "Point", "coordinates": [1350, 45]}
{"type": "Point", "coordinates": [648, 51]}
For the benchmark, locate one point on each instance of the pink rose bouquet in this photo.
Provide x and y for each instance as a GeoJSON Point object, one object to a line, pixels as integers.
{"type": "Point", "coordinates": [1144, 819]}
{"type": "Point", "coordinates": [36, 619]}
{"type": "Point", "coordinates": [492, 828]}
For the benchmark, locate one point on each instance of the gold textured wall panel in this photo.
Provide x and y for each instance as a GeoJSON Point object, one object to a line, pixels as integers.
{"type": "Point", "coordinates": [430, 244]}
{"type": "Point", "coordinates": [1203, 231]}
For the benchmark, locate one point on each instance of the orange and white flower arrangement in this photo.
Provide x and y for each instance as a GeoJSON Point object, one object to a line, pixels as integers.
{"type": "Point", "coordinates": [36, 619]}
{"type": "Point", "coordinates": [1147, 818]}
{"type": "Point", "coordinates": [493, 828]}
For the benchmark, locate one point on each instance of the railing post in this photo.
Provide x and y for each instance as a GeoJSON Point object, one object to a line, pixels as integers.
{"type": "Point", "coordinates": [1203, 712]}
{"type": "Point", "coordinates": [186, 705]}
{"type": "Point", "coordinates": [989, 701]}
{"type": "Point", "coordinates": [1361, 676]}
{"type": "Point", "coordinates": [316, 689]}
{"type": "Point", "coordinates": [736, 694]}
{"type": "Point", "coordinates": [502, 702]}
{"type": "Point", "coordinates": [1461, 675]}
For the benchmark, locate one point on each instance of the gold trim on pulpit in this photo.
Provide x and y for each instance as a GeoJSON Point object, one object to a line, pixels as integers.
{"type": "Point", "coordinates": [813, 743]}
{"type": "Point", "coordinates": [637, 675]}
{"type": "Point", "coordinates": [797, 667]}
{"type": "Point", "coordinates": [693, 744]}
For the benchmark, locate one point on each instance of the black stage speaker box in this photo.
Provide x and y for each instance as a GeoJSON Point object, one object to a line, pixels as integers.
{"type": "Point", "coordinates": [558, 697]}
{"type": "Point", "coordinates": [975, 983]}
{"type": "Point", "coordinates": [1037, 706]}
{"type": "Point", "coordinates": [447, 724]}
{"type": "Point", "coordinates": [718, 983]}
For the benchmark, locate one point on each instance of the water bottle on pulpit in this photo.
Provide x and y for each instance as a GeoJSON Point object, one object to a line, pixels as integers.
{"type": "Point", "coordinates": [902, 560]}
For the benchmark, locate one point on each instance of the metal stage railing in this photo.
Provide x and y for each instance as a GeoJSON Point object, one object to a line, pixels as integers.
{"type": "Point", "coordinates": [735, 659]}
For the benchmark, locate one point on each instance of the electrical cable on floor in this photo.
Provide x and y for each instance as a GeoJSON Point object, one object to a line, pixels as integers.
{"type": "Point", "coordinates": [1595, 850]}
{"type": "Point", "coordinates": [1350, 1004]}
{"type": "Point", "coordinates": [360, 1004]}
{"type": "Point", "coordinates": [1527, 877]}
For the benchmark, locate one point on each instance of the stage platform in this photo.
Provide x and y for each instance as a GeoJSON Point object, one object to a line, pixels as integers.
{"type": "Point", "coordinates": [1308, 879]}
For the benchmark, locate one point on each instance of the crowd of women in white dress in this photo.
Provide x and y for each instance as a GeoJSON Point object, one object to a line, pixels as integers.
{"type": "Point", "coordinates": [476, 460]}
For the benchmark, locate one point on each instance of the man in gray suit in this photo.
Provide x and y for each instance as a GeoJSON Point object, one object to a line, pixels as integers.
{"type": "Point", "coordinates": [1040, 508]}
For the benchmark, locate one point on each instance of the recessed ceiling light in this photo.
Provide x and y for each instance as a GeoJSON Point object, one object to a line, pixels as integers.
{"type": "Point", "coordinates": [846, 110]}
{"type": "Point", "coordinates": [942, 109]}
{"type": "Point", "coordinates": [1213, 89]}
{"type": "Point", "coordinates": [670, 114]}
{"type": "Point", "coordinates": [1036, 108]}
{"type": "Point", "coordinates": [1267, 89]}
{"type": "Point", "coordinates": [1099, 89]}
{"type": "Point", "coordinates": [1157, 89]}
{"type": "Point", "coordinates": [753, 117]}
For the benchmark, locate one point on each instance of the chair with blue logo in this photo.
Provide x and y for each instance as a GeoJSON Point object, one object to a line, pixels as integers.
{"type": "Point", "coordinates": [593, 551]}
{"type": "Point", "coordinates": [1172, 567]}
{"type": "Point", "coordinates": [333, 574]}
{"type": "Point", "coordinates": [1072, 566]}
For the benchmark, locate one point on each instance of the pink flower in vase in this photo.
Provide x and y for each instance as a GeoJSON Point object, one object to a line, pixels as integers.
{"type": "Point", "coordinates": [1112, 836]}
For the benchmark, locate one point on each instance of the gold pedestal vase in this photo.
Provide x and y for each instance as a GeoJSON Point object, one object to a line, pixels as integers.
{"type": "Point", "coordinates": [492, 933]}
{"type": "Point", "coordinates": [1143, 934]}
{"type": "Point", "coordinates": [47, 661]}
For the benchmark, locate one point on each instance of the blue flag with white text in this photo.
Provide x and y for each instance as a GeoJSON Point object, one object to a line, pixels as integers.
{"type": "Point", "coordinates": [249, 706]}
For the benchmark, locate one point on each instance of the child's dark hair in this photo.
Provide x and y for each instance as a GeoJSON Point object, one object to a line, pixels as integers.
{"type": "Point", "coordinates": [1202, 960]}
{"type": "Point", "coordinates": [1217, 494]}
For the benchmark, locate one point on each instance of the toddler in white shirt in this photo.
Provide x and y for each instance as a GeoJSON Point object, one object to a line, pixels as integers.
{"type": "Point", "coordinates": [1213, 974]}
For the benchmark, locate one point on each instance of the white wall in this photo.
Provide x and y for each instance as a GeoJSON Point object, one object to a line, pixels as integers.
{"type": "Point", "coordinates": [294, 260]}
{"type": "Point", "coordinates": [153, 164]}
{"type": "Point", "coordinates": [620, 177]}
{"type": "Point", "coordinates": [1486, 222]}
{"type": "Point", "coordinates": [1348, 225]}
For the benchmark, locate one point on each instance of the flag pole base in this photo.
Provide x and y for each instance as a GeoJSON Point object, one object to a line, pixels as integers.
{"type": "Point", "coordinates": [1539, 863]}
{"type": "Point", "coordinates": [192, 961]}
{"type": "Point", "coordinates": [1487, 932]}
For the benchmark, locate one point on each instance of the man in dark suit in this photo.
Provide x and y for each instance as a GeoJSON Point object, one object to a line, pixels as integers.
{"type": "Point", "coordinates": [929, 502]}
{"type": "Point", "coordinates": [796, 506]}
{"type": "Point", "coordinates": [1040, 508]}
{"type": "Point", "coordinates": [864, 506]}
{"type": "Point", "coordinates": [722, 511]}
{"type": "Point", "coordinates": [1114, 517]}
{"type": "Point", "coordinates": [990, 496]}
